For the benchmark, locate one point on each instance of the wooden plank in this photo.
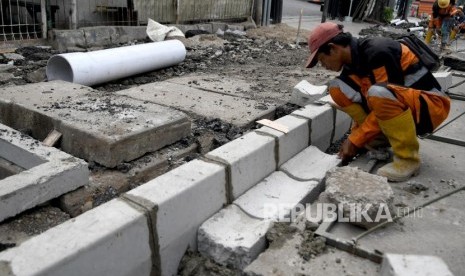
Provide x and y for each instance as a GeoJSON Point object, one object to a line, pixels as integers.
{"type": "Point", "coordinates": [273, 125]}
{"type": "Point", "coordinates": [52, 138]}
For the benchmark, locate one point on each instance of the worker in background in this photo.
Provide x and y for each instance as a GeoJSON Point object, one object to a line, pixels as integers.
{"type": "Point", "coordinates": [385, 89]}
{"type": "Point", "coordinates": [442, 19]}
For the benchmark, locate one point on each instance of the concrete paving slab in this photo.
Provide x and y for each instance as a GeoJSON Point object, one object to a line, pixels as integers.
{"type": "Point", "coordinates": [277, 196]}
{"type": "Point", "coordinates": [46, 173]}
{"type": "Point", "coordinates": [413, 265]}
{"type": "Point", "coordinates": [285, 260]}
{"type": "Point", "coordinates": [457, 108]}
{"type": "Point", "coordinates": [455, 130]}
{"type": "Point", "coordinates": [101, 127]}
{"type": "Point", "coordinates": [235, 110]}
{"type": "Point", "coordinates": [216, 83]}
{"type": "Point", "coordinates": [460, 89]}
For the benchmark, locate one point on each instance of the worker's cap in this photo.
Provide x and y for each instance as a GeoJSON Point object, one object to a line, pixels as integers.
{"type": "Point", "coordinates": [443, 3]}
{"type": "Point", "coordinates": [318, 37]}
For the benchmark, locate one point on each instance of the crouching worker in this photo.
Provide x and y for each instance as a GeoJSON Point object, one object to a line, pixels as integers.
{"type": "Point", "coordinates": [385, 89]}
{"type": "Point", "coordinates": [442, 19]}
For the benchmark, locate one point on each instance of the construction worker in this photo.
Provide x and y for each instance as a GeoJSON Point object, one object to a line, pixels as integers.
{"type": "Point", "coordinates": [385, 89]}
{"type": "Point", "coordinates": [442, 19]}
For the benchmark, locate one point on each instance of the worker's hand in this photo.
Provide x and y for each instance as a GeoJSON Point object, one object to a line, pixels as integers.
{"type": "Point", "coordinates": [347, 151]}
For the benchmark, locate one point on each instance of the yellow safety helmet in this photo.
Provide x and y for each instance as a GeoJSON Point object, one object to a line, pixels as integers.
{"type": "Point", "coordinates": [443, 3]}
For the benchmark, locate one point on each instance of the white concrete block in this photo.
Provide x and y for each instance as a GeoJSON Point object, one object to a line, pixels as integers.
{"type": "Point", "coordinates": [306, 93]}
{"type": "Point", "coordinates": [289, 144]}
{"type": "Point", "coordinates": [322, 124]}
{"type": "Point", "coordinates": [181, 200]}
{"type": "Point", "coordinates": [48, 173]}
{"type": "Point", "coordinates": [251, 158]}
{"type": "Point", "coordinates": [342, 125]}
{"type": "Point", "coordinates": [310, 164]}
{"type": "Point", "coordinates": [276, 196]}
{"type": "Point", "coordinates": [413, 265]}
{"type": "Point", "coordinates": [112, 239]}
{"type": "Point", "coordinates": [444, 79]}
{"type": "Point", "coordinates": [231, 237]}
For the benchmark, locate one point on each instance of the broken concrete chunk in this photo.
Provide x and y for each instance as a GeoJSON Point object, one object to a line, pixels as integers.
{"type": "Point", "coordinates": [366, 199]}
{"type": "Point", "coordinates": [444, 79]}
{"type": "Point", "coordinates": [305, 93]}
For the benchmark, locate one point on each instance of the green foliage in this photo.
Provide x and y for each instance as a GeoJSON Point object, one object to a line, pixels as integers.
{"type": "Point", "coordinates": [388, 14]}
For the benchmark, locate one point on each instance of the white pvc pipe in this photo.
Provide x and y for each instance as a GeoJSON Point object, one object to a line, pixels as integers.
{"type": "Point", "coordinates": [414, 29]}
{"type": "Point", "coordinates": [399, 22]}
{"type": "Point", "coordinates": [111, 64]}
{"type": "Point", "coordinates": [395, 20]}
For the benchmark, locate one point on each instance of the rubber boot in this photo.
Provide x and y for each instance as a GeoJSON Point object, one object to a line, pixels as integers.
{"type": "Point", "coordinates": [402, 136]}
{"type": "Point", "coordinates": [429, 36]}
{"type": "Point", "coordinates": [452, 35]}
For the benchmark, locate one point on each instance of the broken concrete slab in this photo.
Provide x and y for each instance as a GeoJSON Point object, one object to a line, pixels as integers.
{"type": "Point", "coordinates": [231, 237]}
{"type": "Point", "coordinates": [91, 244]}
{"type": "Point", "coordinates": [459, 89]}
{"type": "Point", "coordinates": [277, 197]}
{"type": "Point", "coordinates": [106, 128]}
{"type": "Point", "coordinates": [413, 265]}
{"type": "Point", "coordinates": [305, 93]}
{"type": "Point", "coordinates": [310, 164]}
{"type": "Point", "coordinates": [63, 40]}
{"type": "Point", "coordinates": [457, 108]}
{"type": "Point", "coordinates": [98, 36]}
{"type": "Point", "coordinates": [321, 124]}
{"type": "Point", "coordinates": [249, 158]}
{"type": "Point", "coordinates": [289, 144]}
{"type": "Point", "coordinates": [285, 260]}
{"type": "Point", "coordinates": [179, 202]}
{"type": "Point", "coordinates": [235, 110]}
{"type": "Point", "coordinates": [45, 174]}
{"type": "Point", "coordinates": [366, 199]}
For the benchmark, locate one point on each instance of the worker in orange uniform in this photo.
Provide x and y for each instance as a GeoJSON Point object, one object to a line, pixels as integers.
{"type": "Point", "coordinates": [385, 89]}
{"type": "Point", "coordinates": [442, 19]}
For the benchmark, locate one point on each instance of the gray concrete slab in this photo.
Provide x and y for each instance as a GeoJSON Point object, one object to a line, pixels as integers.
{"type": "Point", "coordinates": [460, 89]}
{"type": "Point", "coordinates": [456, 109]}
{"type": "Point", "coordinates": [97, 126]}
{"type": "Point", "coordinates": [437, 229]}
{"type": "Point", "coordinates": [232, 109]}
{"type": "Point", "coordinates": [455, 130]}
{"type": "Point", "coordinates": [42, 173]}
{"type": "Point", "coordinates": [285, 260]}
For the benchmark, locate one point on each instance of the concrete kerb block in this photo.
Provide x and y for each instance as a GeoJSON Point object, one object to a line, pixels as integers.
{"type": "Point", "coordinates": [125, 34]}
{"type": "Point", "coordinates": [48, 173]}
{"type": "Point", "coordinates": [232, 237]}
{"type": "Point", "coordinates": [94, 243]}
{"type": "Point", "coordinates": [205, 27]}
{"type": "Point", "coordinates": [277, 196]}
{"type": "Point", "coordinates": [98, 36]}
{"type": "Point", "coordinates": [306, 93]}
{"type": "Point", "coordinates": [342, 121]}
{"type": "Point", "coordinates": [185, 28]}
{"type": "Point", "coordinates": [218, 26]}
{"type": "Point", "coordinates": [444, 79]}
{"type": "Point", "coordinates": [289, 144]}
{"type": "Point", "coordinates": [413, 265]}
{"type": "Point", "coordinates": [321, 120]}
{"type": "Point", "coordinates": [250, 159]}
{"type": "Point", "coordinates": [179, 202]}
{"type": "Point", "coordinates": [62, 40]}
{"type": "Point", "coordinates": [310, 164]}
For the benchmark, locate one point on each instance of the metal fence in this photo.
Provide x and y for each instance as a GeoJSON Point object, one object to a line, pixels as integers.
{"type": "Point", "coordinates": [30, 19]}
